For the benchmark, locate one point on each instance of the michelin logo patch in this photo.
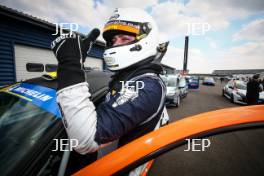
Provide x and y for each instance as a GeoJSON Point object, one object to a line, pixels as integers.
{"type": "Point", "coordinates": [40, 96]}
{"type": "Point", "coordinates": [31, 93]}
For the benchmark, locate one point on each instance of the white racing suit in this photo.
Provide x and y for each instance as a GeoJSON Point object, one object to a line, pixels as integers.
{"type": "Point", "coordinates": [125, 114]}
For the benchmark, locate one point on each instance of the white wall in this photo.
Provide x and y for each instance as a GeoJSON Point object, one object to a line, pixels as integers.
{"type": "Point", "coordinates": [28, 54]}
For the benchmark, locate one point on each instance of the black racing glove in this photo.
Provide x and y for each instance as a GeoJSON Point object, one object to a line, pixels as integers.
{"type": "Point", "coordinates": [71, 51]}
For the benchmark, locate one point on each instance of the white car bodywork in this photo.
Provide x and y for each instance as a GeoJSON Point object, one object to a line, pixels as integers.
{"type": "Point", "coordinates": [173, 92]}
{"type": "Point", "coordinates": [236, 91]}
{"type": "Point", "coordinates": [183, 86]}
{"type": "Point", "coordinates": [209, 80]}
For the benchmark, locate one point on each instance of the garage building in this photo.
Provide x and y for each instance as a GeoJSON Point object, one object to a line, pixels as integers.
{"type": "Point", "coordinates": [237, 72]}
{"type": "Point", "coordinates": [25, 47]}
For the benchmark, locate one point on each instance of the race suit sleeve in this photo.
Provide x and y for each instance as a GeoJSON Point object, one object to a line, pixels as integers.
{"type": "Point", "coordinates": [79, 116]}
{"type": "Point", "coordinates": [112, 119]}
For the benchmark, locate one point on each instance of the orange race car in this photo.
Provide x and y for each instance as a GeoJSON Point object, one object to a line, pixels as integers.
{"type": "Point", "coordinates": [222, 142]}
{"type": "Point", "coordinates": [248, 120]}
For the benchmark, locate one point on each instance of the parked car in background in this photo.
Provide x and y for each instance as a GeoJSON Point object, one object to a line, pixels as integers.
{"type": "Point", "coordinates": [183, 86]}
{"type": "Point", "coordinates": [209, 81]}
{"type": "Point", "coordinates": [236, 91]}
{"type": "Point", "coordinates": [173, 91]}
{"type": "Point", "coordinates": [193, 82]}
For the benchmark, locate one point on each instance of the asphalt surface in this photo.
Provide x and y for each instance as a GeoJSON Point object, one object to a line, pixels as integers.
{"type": "Point", "coordinates": [204, 99]}
{"type": "Point", "coordinates": [236, 153]}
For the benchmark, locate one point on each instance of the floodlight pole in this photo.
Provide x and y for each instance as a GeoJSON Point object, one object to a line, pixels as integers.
{"type": "Point", "coordinates": [185, 59]}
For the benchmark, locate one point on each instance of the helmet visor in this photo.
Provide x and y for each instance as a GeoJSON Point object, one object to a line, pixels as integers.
{"type": "Point", "coordinates": [113, 28]}
{"type": "Point", "coordinates": [126, 26]}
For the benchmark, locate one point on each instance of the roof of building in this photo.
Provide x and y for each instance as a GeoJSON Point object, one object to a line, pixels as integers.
{"type": "Point", "coordinates": [244, 71]}
{"type": "Point", "coordinates": [21, 16]}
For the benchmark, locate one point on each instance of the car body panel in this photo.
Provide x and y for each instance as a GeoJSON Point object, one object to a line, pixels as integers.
{"type": "Point", "coordinates": [209, 81]}
{"type": "Point", "coordinates": [261, 97]}
{"type": "Point", "coordinates": [193, 83]}
{"type": "Point", "coordinates": [179, 130]}
{"type": "Point", "coordinates": [172, 95]}
{"type": "Point", "coordinates": [183, 86]}
{"type": "Point", "coordinates": [173, 91]}
{"type": "Point", "coordinates": [237, 95]}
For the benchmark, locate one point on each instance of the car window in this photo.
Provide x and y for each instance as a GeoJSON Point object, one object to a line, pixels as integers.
{"type": "Point", "coordinates": [22, 125]}
{"type": "Point", "coordinates": [182, 82]}
{"type": "Point", "coordinates": [35, 67]}
{"type": "Point", "coordinates": [209, 79]}
{"type": "Point", "coordinates": [193, 80]}
{"type": "Point", "coordinates": [241, 86]}
{"type": "Point", "coordinates": [230, 83]}
{"type": "Point", "coordinates": [235, 153]}
{"type": "Point", "coordinates": [51, 67]}
{"type": "Point", "coordinates": [170, 81]}
{"type": "Point", "coordinates": [232, 153]}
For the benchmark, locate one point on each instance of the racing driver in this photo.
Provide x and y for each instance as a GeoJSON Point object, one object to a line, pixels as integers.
{"type": "Point", "coordinates": [127, 112]}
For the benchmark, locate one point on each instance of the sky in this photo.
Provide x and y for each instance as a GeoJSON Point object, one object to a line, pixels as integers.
{"type": "Point", "coordinates": [226, 34]}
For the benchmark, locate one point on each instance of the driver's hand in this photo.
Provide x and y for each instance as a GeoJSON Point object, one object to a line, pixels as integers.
{"type": "Point", "coordinates": [71, 51]}
{"type": "Point", "coordinates": [71, 46]}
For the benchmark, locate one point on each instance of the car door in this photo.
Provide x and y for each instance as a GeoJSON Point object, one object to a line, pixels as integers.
{"type": "Point", "coordinates": [230, 88]}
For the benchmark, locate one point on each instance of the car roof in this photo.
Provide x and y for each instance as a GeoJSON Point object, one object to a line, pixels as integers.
{"type": "Point", "coordinates": [239, 82]}
{"type": "Point", "coordinates": [170, 76]}
{"type": "Point", "coordinates": [96, 80]}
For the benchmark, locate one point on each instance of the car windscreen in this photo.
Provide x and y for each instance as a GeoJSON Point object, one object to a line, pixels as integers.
{"type": "Point", "coordinates": [22, 125]}
{"type": "Point", "coordinates": [193, 80]}
{"type": "Point", "coordinates": [170, 82]}
{"type": "Point", "coordinates": [182, 82]}
{"type": "Point", "coordinates": [209, 79]}
{"type": "Point", "coordinates": [241, 86]}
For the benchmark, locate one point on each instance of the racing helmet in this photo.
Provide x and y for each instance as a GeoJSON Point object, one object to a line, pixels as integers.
{"type": "Point", "coordinates": [134, 22]}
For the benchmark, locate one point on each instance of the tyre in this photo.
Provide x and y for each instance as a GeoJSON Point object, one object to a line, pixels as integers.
{"type": "Point", "coordinates": [223, 93]}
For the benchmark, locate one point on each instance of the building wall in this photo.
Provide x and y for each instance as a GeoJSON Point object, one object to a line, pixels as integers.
{"type": "Point", "coordinates": [14, 32]}
{"type": "Point", "coordinates": [26, 54]}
